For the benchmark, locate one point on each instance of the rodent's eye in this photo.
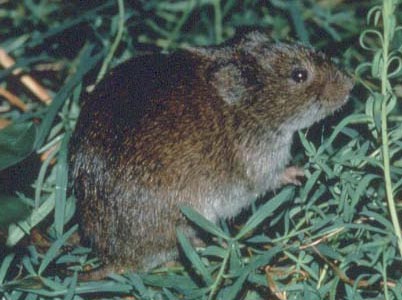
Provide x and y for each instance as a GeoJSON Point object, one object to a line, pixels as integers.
{"type": "Point", "coordinates": [299, 75]}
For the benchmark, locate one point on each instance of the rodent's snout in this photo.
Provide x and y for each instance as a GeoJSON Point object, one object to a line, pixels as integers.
{"type": "Point", "coordinates": [345, 79]}
{"type": "Point", "coordinates": [337, 89]}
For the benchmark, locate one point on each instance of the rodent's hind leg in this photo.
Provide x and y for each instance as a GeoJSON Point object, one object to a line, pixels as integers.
{"type": "Point", "coordinates": [164, 259]}
{"type": "Point", "coordinates": [101, 273]}
{"type": "Point", "coordinates": [291, 175]}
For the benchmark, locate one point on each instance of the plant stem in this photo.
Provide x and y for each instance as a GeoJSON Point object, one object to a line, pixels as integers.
{"type": "Point", "coordinates": [116, 42]}
{"type": "Point", "coordinates": [387, 14]}
{"type": "Point", "coordinates": [218, 21]}
{"type": "Point", "coordinates": [219, 278]}
{"type": "Point", "coordinates": [384, 274]}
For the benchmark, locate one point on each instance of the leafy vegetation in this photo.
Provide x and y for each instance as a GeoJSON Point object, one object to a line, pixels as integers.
{"type": "Point", "coordinates": [335, 237]}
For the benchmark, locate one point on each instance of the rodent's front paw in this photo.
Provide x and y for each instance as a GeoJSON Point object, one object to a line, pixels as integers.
{"type": "Point", "coordinates": [291, 174]}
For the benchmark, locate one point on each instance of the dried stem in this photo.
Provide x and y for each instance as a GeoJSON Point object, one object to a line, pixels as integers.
{"type": "Point", "coordinates": [35, 87]}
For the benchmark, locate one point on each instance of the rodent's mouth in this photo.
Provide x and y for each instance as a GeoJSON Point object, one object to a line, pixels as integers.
{"type": "Point", "coordinates": [331, 106]}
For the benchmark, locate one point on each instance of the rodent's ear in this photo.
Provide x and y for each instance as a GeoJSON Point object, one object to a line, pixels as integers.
{"type": "Point", "coordinates": [211, 53]}
{"type": "Point", "coordinates": [228, 81]}
{"type": "Point", "coordinates": [255, 42]}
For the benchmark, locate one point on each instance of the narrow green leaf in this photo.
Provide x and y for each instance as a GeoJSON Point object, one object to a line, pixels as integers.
{"type": "Point", "coordinates": [71, 290]}
{"type": "Point", "coordinates": [308, 186]}
{"type": "Point", "coordinates": [169, 295]}
{"type": "Point", "coordinates": [61, 185]}
{"type": "Point", "coordinates": [28, 266]}
{"type": "Point", "coordinates": [41, 177]}
{"type": "Point", "coordinates": [328, 252]}
{"type": "Point", "coordinates": [54, 249]}
{"type": "Point", "coordinates": [231, 292]}
{"type": "Point", "coordinates": [362, 187]}
{"type": "Point", "coordinates": [16, 233]}
{"type": "Point", "coordinates": [265, 211]}
{"type": "Point", "coordinates": [138, 284]}
{"type": "Point", "coordinates": [103, 287]}
{"type": "Point", "coordinates": [298, 22]}
{"type": "Point", "coordinates": [203, 223]}
{"type": "Point", "coordinates": [308, 146]}
{"type": "Point", "coordinates": [5, 265]}
{"type": "Point", "coordinates": [193, 257]}
{"type": "Point", "coordinates": [170, 280]}
{"type": "Point", "coordinates": [214, 251]}
{"type": "Point", "coordinates": [88, 288]}
{"type": "Point", "coordinates": [352, 119]}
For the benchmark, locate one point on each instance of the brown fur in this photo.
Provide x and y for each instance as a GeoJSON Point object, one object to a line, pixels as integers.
{"type": "Point", "coordinates": [211, 127]}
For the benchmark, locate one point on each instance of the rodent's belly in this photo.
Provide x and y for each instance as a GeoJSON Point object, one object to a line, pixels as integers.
{"type": "Point", "coordinates": [229, 207]}
{"type": "Point", "coordinates": [225, 202]}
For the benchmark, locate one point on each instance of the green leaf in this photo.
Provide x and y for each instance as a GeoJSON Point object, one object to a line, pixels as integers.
{"type": "Point", "coordinates": [203, 223]}
{"type": "Point", "coordinates": [16, 143]}
{"type": "Point", "coordinates": [103, 287]}
{"type": "Point", "coordinates": [308, 186]}
{"type": "Point", "coordinates": [61, 186]}
{"type": "Point", "coordinates": [170, 280]}
{"type": "Point", "coordinates": [169, 295]}
{"type": "Point", "coordinates": [12, 209]}
{"type": "Point", "coordinates": [296, 14]}
{"type": "Point", "coordinates": [28, 266]}
{"type": "Point", "coordinates": [214, 251]}
{"type": "Point", "coordinates": [138, 284]}
{"type": "Point", "coordinates": [16, 233]}
{"type": "Point", "coordinates": [54, 249]}
{"type": "Point", "coordinates": [352, 119]}
{"type": "Point", "coordinates": [71, 290]}
{"type": "Point", "coordinates": [5, 265]}
{"type": "Point", "coordinates": [362, 187]}
{"type": "Point", "coordinates": [231, 292]}
{"type": "Point", "coordinates": [265, 211]}
{"type": "Point", "coordinates": [328, 252]}
{"type": "Point", "coordinates": [193, 257]}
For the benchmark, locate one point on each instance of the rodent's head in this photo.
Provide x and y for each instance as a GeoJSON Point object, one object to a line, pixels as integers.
{"type": "Point", "coordinates": [284, 84]}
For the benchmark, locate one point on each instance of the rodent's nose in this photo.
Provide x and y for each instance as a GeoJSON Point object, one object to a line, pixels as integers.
{"type": "Point", "coordinates": [339, 75]}
{"type": "Point", "coordinates": [342, 82]}
{"type": "Point", "coordinates": [337, 88]}
{"type": "Point", "coordinates": [349, 81]}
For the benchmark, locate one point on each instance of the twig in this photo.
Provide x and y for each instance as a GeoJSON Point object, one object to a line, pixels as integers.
{"type": "Point", "coordinates": [13, 99]}
{"type": "Point", "coordinates": [4, 123]}
{"type": "Point", "coordinates": [272, 285]}
{"type": "Point", "coordinates": [320, 240]}
{"type": "Point", "coordinates": [48, 153]}
{"type": "Point", "coordinates": [338, 272]}
{"type": "Point", "coordinates": [270, 272]}
{"type": "Point", "coordinates": [38, 90]}
{"type": "Point", "coordinates": [343, 277]}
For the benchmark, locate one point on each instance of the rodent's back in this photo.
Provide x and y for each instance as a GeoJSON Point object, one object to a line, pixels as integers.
{"type": "Point", "coordinates": [151, 97]}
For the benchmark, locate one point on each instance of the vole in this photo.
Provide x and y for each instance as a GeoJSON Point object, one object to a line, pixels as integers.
{"type": "Point", "coordinates": [210, 127]}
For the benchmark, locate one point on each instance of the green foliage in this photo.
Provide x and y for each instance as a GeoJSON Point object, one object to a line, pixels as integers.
{"type": "Point", "coordinates": [12, 209]}
{"type": "Point", "coordinates": [335, 237]}
{"type": "Point", "coordinates": [16, 143]}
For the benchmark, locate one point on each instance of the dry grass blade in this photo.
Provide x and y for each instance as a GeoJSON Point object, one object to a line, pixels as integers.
{"type": "Point", "coordinates": [35, 87]}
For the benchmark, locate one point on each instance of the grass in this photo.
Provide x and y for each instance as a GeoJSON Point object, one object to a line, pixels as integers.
{"type": "Point", "coordinates": [336, 237]}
